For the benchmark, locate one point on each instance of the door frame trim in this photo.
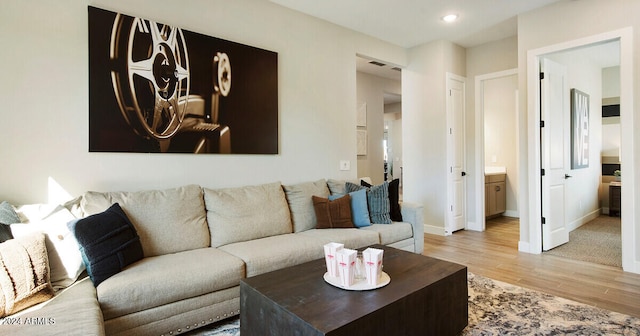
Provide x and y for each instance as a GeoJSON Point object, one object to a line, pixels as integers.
{"type": "Point", "coordinates": [532, 226]}
{"type": "Point", "coordinates": [480, 223]}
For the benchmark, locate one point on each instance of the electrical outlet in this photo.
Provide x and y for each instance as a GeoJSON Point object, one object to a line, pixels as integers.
{"type": "Point", "coordinates": [345, 165]}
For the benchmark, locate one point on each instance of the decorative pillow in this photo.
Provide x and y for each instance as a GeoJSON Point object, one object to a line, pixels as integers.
{"type": "Point", "coordinates": [24, 273]}
{"type": "Point", "coordinates": [108, 243]}
{"type": "Point", "coordinates": [336, 187]}
{"type": "Point", "coordinates": [333, 214]}
{"type": "Point", "coordinates": [394, 199]}
{"type": "Point", "coordinates": [8, 216]}
{"type": "Point", "coordinates": [246, 213]}
{"type": "Point", "coordinates": [300, 204]}
{"type": "Point", "coordinates": [167, 220]}
{"type": "Point", "coordinates": [359, 207]}
{"type": "Point", "coordinates": [65, 260]}
{"type": "Point", "coordinates": [377, 200]}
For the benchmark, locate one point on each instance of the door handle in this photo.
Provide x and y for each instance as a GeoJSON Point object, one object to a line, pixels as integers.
{"type": "Point", "coordinates": [464, 173]}
{"type": "Point", "coordinates": [566, 176]}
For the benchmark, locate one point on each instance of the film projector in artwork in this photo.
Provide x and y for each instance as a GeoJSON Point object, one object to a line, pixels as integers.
{"type": "Point", "coordinates": [151, 80]}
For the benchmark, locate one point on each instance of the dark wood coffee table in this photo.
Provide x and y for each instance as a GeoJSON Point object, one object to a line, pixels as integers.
{"type": "Point", "coordinates": [426, 296]}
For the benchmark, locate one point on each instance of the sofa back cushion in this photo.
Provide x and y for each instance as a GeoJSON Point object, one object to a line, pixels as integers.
{"type": "Point", "coordinates": [299, 196]}
{"type": "Point", "coordinates": [246, 213]}
{"type": "Point", "coordinates": [167, 221]}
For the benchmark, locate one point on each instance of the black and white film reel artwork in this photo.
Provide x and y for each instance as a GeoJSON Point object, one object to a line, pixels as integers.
{"type": "Point", "coordinates": [165, 99]}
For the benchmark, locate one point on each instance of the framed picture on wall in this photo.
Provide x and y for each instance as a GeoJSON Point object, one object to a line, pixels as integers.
{"type": "Point", "coordinates": [362, 142]}
{"type": "Point", "coordinates": [361, 119]}
{"type": "Point", "coordinates": [579, 129]}
{"type": "Point", "coordinates": [158, 88]}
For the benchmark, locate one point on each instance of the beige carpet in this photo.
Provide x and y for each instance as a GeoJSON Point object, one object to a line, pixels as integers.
{"type": "Point", "coordinates": [598, 241]}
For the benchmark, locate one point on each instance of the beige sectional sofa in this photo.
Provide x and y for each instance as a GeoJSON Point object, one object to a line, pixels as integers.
{"type": "Point", "coordinates": [198, 243]}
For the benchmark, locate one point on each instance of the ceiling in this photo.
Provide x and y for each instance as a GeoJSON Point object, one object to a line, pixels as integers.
{"type": "Point", "coordinates": [409, 23]}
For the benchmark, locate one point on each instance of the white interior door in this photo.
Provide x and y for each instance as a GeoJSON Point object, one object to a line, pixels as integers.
{"type": "Point", "coordinates": [456, 215]}
{"type": "Point", "coordinates": [554, 137]}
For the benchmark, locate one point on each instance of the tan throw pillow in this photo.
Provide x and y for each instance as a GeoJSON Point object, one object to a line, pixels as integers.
{"type": "Point", "coordinates": [300, 204]}
{"type": "Point", "coordinates": [167, 220]}
{"type": "Point", "coordinates": [333, 214]}
{"type": "Point", "coordinates": [246, 213]}
{"type": "Point", "coordinates": [24, 273]}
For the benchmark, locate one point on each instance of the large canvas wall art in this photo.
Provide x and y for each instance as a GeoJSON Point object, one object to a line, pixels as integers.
{"type": "Point", "coordinates": [155, 88]}
{"type": "Point", "coordinates": [579, 129]}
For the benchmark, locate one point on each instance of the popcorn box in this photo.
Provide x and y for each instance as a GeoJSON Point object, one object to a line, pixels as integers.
{"type": "Point", "coordinates": [373, 264]}
{"type": "Point", "coordinates": [330, 251]}
{"type": "Point", "coordinates": [347, 266]}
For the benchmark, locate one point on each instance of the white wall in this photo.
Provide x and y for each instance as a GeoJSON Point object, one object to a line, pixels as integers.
{"type": "Point", "coordinates": [424, 127]}
{"type": "Point", "coordinates": [611, 125]}
{"type": "Point", "coordinates": [370, 90]}
{"type": "Point", "coordinates": [481, 60]}
{"type": "Point", "coordinates": [562, 24]}
{"type": "Point", "coordinates": [500, 133]}
{"type": "Point", "coordinates": [45, 94]}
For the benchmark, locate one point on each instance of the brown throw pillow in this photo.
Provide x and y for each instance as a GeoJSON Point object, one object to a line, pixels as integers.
{"type": "Point", "coordinates": [333, 214]}
{"type": "Point", "coordinates": [24, 273]}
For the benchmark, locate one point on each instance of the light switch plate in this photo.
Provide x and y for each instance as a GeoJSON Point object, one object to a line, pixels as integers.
{"type": "Point", "coordinates": [345, 165]}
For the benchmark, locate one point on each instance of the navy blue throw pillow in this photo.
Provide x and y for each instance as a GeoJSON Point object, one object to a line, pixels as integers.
{"type": "Point", "coordinates": [108, 242]}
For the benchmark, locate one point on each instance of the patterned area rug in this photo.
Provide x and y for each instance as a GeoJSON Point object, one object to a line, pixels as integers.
{"type": "Point", "coordinates": [603, 233]}
{"type": "Point", "coordinates": [498, 308]}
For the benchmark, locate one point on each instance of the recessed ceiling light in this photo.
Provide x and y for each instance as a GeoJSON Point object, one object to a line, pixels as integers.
{"type": "Point", "coordinates": [450, 18]}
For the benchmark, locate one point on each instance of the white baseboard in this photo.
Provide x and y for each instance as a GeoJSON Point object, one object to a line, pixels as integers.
{"type": "Point", "coordinates": [512, 213]}
{"type": "Point", "coordinates": [473, 226]}
{"type": "Point", "coordinates": [436, 230]}
{"type": "Point", "coordinates": [583, 220]}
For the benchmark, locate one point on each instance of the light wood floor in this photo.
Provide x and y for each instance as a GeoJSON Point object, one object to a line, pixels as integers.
{"type": "Point", "coordinates": [494, 254]}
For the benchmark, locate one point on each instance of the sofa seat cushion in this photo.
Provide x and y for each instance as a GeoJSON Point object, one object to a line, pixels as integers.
{"type": "Point", "coordinates": [167, 221]}
{"type": "Point", "coordinates": [73, 311]}
{"type": "Point", "coordinates": [277, 252]}
{"type": "Point", "coordinates": [351, 238]}
{"type": "Point", "coordinates": [246, 213]}
{"type": "Point", "coordinates": [156, 281]}
{"type": "Point", "coordinates": [391, 233]}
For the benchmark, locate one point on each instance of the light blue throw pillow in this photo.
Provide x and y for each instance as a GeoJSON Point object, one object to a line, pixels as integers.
{"type": "Point", "coordinates": [359, 207]}
{"type": "Point", "coordinates": [377, 200]}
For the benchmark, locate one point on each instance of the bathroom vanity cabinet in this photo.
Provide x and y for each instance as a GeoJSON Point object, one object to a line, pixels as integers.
{"type": "Point", "coordinates": [495, 194]}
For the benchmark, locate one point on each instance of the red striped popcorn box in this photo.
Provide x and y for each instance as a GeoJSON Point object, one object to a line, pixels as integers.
{"type": "Point", "coordinates": [373, 264]}
{"type": "Point", "coordinates": [347, 266]}
{"type": "Point", "coordinates": [330, 251]}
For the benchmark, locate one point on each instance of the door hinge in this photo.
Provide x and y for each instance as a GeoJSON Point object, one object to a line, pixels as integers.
{"type": "Point", "coordinates": [541, 123]}
{"type": "Point", "coordinates": [542, 172]}
{"type": "Point", "coordinates": [542, 75]}
{"type": "Point", "coordinates": [544, 220]}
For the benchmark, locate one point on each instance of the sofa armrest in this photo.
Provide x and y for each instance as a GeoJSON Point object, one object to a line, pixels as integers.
{"type": "Point", "coordinates": [413, 213]}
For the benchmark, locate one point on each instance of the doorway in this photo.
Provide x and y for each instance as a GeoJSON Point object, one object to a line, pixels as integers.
{"type": "Point", "coordinates": [533, 180]}
{"type": "Point", "coordinates": [496, 106]}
